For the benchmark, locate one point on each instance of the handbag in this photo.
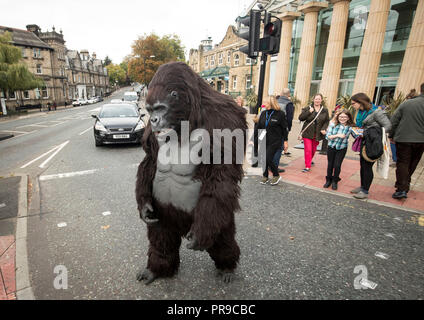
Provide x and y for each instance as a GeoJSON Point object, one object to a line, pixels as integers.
{"type": "Point", "coordinates": [299, 137]}
{"type": "Point", "coordinates": [356, 145]}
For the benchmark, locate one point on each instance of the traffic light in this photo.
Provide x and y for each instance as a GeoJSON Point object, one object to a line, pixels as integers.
{"type": "Point", "coordinates": [270, 43]}
{"type": "Point", "coordinates": [250, 33]}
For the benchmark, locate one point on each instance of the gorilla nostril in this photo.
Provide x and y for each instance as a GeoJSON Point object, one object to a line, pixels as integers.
{"type": "Point", "coordinates": [154, 120]}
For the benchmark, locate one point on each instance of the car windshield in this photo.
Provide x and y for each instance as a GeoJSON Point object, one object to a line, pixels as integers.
{"type": "Point", "coordinates": [130, 98]}
{"type": "Point", "coordinates": [118, 112]}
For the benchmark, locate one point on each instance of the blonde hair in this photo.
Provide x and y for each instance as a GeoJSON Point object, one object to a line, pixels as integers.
{"type": "Point", "coordinates": [272, 100]}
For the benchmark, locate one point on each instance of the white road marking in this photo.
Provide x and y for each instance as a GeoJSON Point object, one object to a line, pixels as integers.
{"type": "Point", "coordinates": [23, 132]}
{"type": "Point", "coordinates": [390, 235]}
{"type": "Point", "coordinates": [34, 125]}
{"type": "Point", "coordinates": [2, 205]}
{"type": "Point", "coordinates": [67, 175]}
{"type": "Point", "coordinates": [85, 131]}
{"type": "Point", "coordinates": [60, 147]}
{"type": "Point", "coordinates": [106, 213]}
{"type": "Point", "coordinates": [62, 224]}
{"type": "Point", "coordinates": [382, 255]}
{"type": "Point", "coordinates": [368, 283]}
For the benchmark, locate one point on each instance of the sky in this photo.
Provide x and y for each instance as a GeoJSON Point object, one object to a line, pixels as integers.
{"type": "Point", "coordinates": [109, 28]}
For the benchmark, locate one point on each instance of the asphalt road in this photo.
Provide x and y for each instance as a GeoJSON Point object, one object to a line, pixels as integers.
{"type": "Point", "coordinates": [295, 243]}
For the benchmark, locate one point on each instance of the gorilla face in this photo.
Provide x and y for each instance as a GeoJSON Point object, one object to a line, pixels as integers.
{"type": "Point", "coordinates": [164, 113]}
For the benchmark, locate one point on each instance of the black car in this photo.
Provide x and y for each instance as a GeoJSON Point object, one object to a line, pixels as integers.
{"type": "Point", "coordinates": [118, 123]}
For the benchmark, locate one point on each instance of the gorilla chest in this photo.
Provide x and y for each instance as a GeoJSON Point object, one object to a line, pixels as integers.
{"type": "Point", "coordinates": [173, 184]}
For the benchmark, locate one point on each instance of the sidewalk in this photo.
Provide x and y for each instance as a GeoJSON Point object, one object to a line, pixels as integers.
{"type": "Point", "coordinates": [381, 189]}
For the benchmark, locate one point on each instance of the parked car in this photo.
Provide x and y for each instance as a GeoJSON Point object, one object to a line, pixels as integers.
{"type": "Point", "coordinates": [100, 98]}
{"type": "Point", "coordinates": [79, 102]}
{"type": "Point", "coordinates": [116, 101]}
{"type": "Point", "coordinates": [131, 96]}
{"type": "Point", "coordinates": [118, 123]}
{"type": "Point", "coordinates": [93, 100]}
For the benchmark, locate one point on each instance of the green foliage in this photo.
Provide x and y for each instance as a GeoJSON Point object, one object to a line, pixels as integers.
{"type": "Point", "coordinates": [151, 51]}
{"type": "Point", "coordinates": [116, 74]}
{"type": "Point", "coordinates": [295, 101]}
{"type": "Point", "coordinates": [395, 103]}
{"type": "Point", "coordinates": [14, 75]}
{"type": "Point", "coordinates": [252, 99]}
{"type": "Point", "coordinates": [346, 103]}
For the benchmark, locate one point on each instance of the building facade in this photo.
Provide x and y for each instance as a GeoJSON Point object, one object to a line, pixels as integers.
{"type": "Point", "coordinates": [47, 57]}
{"type": "Point", "coordinates": [225, 68]}
{"type": "Point", "coordinates": [342, 47]}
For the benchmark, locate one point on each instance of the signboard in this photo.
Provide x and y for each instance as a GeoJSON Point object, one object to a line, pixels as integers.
{"type": "Point", "coordinates": [3, 106]}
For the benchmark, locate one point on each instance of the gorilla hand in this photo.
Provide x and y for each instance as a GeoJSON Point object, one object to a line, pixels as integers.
{"type": "Point", "coordinates": [147, 215]}
{"type": "Point", "coordinates": [193, 242]}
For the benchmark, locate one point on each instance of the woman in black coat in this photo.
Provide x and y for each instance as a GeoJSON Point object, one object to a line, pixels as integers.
{"type": "Point", "coordinates": [273, 120]}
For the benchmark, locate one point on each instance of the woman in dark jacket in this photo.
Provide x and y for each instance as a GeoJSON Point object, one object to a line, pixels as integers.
{"type": "Point", "coordinates": [314, 128]}
{"type": "Point", "coordinates": [273, 120]}
{"type": "Point", "coordinates": [367, 117]}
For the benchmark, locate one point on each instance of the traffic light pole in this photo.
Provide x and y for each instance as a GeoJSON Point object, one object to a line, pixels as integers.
{"type": "Point", "coordinates": [264, 58]}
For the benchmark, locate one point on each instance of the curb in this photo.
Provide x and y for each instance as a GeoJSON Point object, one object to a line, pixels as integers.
{"type": "Point", "coordinates": [23, 286]}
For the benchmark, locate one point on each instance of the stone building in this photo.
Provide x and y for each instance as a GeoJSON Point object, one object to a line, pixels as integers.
{"type": "Point", "coordinates": [226, 68]}
{"type": "Point", "coordinates": [47, 57]}
{"type": "Point", "coordinates": [340, 47]}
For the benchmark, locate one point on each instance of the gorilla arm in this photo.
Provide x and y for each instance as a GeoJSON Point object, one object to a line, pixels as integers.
{"type": "Point", "coordinates": [218, 200]}
{"type": "Point", "coordinates": [145, 175]}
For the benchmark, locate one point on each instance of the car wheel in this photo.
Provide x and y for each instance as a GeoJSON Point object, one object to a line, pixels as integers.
{"type": "Point", "coordinates": [98, 143]}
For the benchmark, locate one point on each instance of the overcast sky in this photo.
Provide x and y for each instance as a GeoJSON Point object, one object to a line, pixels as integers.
{"type": "Point", "coordinates": [110, 27]}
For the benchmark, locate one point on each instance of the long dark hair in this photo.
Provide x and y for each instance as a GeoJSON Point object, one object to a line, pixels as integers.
{"type": "Point", "coordinates": [363, 100]}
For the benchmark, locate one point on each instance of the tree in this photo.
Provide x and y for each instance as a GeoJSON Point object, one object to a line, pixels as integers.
{"type": "Point", "coordinates": [116, 74]}
{"type": "Point", "coordinates": [14, 75]}
{"type": "Point", "coordinates": [151, 51]}
{"type": "Point", "coordinates": [107, 61]}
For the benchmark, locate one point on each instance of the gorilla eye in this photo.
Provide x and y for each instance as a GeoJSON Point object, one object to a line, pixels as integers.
{"type": "Point", "coordinates": [174, 94]}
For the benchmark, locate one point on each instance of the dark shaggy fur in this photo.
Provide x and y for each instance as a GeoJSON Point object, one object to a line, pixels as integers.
{"type": "Point", "coordinates": [212, 220]}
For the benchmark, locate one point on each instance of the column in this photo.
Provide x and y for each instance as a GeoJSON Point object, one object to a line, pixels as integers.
{"type": "Point", "coordinates": [412, 71]}
{"type": "Point", "coordinates": [372, 47]}
{"type": "Point", "coordinates": [283, 59]}
{"type": "Point", "coordinates": [334, 54]}
{"type": "Point", "coordinates": [307, 47]}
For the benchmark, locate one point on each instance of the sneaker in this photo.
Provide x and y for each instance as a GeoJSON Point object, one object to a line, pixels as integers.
{"type": "Point", "coordinates": [356, 190]}
{"type": "Point", "coordinates": [306, 170]}
{"type": "Point", "coordinates": [264, 180]}
{"type": "Point", "coordinates": [361, 195]}
{"type": "Point", "coordinates": [275, 180]}
{"type": "Point", "coordinates": [399, 195]}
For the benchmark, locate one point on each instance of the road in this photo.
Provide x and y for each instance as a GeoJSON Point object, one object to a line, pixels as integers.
{"type": "Point", "coordinates": [296, 243]}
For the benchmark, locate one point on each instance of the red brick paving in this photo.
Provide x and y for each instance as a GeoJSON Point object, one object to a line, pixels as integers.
{"type": "Point", "coordinates": [7, 268]}
{"type": "Point", "coordinates": [316, 178]}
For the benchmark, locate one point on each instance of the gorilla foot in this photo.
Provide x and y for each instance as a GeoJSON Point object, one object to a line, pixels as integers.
{"type": "Point", "coordinates": [146, 276]}
{"type": "Point", "coordinates": [227, 275]}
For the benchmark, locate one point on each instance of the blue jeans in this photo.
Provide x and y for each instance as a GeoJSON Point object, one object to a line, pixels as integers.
{"type": "Point", "coordinates": [393, 148]}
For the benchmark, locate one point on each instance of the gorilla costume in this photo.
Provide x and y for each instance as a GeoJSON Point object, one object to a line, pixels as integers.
{"type": "Point", "coordinates": [188, 200]}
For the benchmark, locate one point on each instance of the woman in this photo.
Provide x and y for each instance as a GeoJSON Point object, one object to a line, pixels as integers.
{"type": "Point", "coordinates": [337, 137]}
{"type": "Point", "coordinates": [316, 121]}
{"type": "Point", "coordinates": [240, 101]}
{"type": "Point", "coordinates": [368, 116]}
{"type": "Point", "coordinates": [273, 120]}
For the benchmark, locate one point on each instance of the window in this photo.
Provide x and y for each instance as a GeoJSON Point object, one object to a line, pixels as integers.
{"type": "Point", "coordinates": [37, 93]}
{"type": "Point", "coordinates": [228, 57]}
{"type": "Point", "coordinates": [212, 61]}
{"type": "Point", "coordinates": [23, 53]}
{"type": "Point", "coordinates": [206, 63]}
{"type": "Point", "coordinates": [37, 53]}
{"type": "Point", "coordinates": [26, 94]}
{"type": "Point", "coordinates": [12, 95]}
{"type": "Point", "coordinates": [248, 81]}
{"type": "Point", "coordinates": [236, 60]}
{"type": "Point", "coordinates": [44, 93]}
{"type": "Point", "coordinates": [220, 58]}
{"type": "Point", "coordinates": [39, 71]}
{"type": "Point", "coordinates": [73, 78]}
{"type": "Point", "coordinates": [234, 82]}
{"type": "Point", "coordinates": [249, 61]}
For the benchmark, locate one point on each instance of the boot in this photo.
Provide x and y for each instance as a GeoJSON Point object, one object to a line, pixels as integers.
{"type": "Point", "coordinates": [334, 183]}
{"type": "Point", "coordinates": [327, 182]}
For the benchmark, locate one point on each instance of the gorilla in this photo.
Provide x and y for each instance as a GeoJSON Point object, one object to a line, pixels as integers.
{"type": "Point", "coordinates": [195, 201]}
